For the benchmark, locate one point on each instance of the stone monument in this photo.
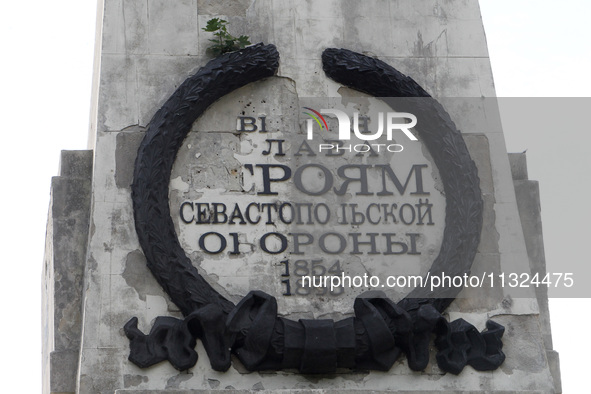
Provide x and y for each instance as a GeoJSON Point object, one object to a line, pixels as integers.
{"type": "Point", "coordinates": [331, 209]}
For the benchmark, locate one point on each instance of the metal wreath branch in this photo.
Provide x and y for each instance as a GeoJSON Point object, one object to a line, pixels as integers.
{"type": "Point", "coordinates": [381, 330]}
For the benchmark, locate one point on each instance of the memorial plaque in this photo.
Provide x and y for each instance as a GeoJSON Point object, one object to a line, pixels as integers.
{"type": "Point", "coordinates": [329, 209]}
{"type": "Point", "coordinates": [359, 213]}
{"type": "Point", "coordinates": [253, 330]}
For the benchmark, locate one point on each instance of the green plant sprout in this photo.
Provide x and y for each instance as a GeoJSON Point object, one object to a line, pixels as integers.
{"type": "Point", "coordinates": [224, 41]}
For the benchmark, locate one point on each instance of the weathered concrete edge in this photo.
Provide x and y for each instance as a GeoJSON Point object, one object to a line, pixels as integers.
{"type": "Point", "coordinates": [527, 194]}
{"type": "Point", "coordinates": [308, 391]}
{"type": "Point", "coordinates": [63, 270]}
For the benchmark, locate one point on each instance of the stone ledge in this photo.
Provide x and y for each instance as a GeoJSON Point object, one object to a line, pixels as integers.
{"type": "Point", "coordinates": [318, 391]}
{"type": "Point", "coordinates": [65, 254]}
{"type": "Point", "coordinates": [61, 376]}
{"type": "Point", "coordinates": [518, 163]}
{"type": "Point", "coordinates": [76, 164]}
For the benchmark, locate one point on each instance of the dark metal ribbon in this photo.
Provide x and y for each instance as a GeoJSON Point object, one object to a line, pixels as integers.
{"type": "Point", "coordinates": [374, 339]}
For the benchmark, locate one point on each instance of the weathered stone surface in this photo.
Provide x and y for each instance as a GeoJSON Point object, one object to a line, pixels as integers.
{"type": "Point", "coordinates": [63, 371]}
{"type": "Point", "coordinates": [304, 391]}
{"type": "Point", "coordinates": [528, 202]}
{"type": "Point", "coordinates": [554, 363]}
{"type": "Point", "coordinates": [148, 49]}
{"type": "Point", "coordinates": [66, 241]}
{"type": "Point", "coordinates": [518, 163]}
{"type": "Point", "coordinates": [172, 30]}
{"type": "Point", "coordinates": [224, 7]}
{"type": "Point", "coordinates": [127, 144]}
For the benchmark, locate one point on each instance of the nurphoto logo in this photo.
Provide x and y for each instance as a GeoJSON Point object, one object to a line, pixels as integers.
{"type": "Point", "coordinates": [394, 121]}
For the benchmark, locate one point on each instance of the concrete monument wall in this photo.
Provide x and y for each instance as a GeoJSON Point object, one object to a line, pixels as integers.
{"type": "Point", "coordinates": [145, 50]}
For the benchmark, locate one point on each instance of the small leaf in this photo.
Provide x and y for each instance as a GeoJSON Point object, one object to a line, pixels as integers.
{"type": "Point", "coordinates": [213, 25]}
{"type": "Point", "coordinates": [243, 41]}
{"type": "Point", "coordinates": [225, 42]}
